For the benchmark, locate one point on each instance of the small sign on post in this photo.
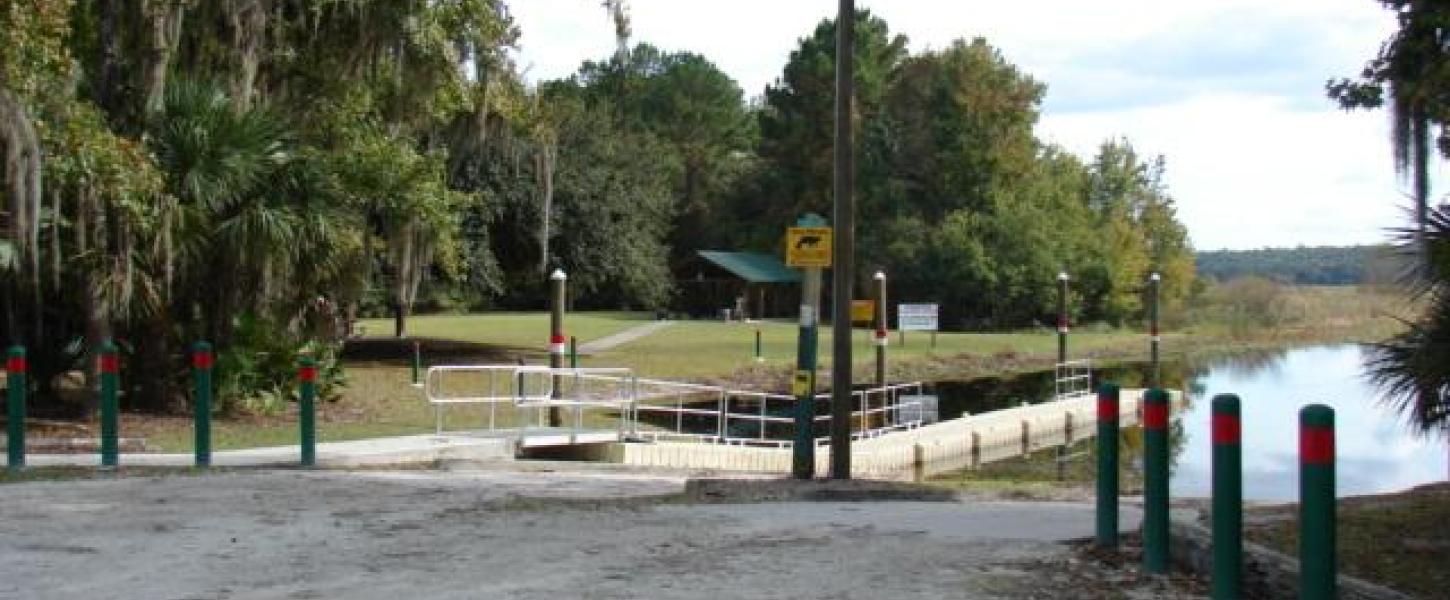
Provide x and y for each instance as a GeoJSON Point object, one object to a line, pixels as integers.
{"type": "Point", "coordinates": [808, 247]}
{"type": "Point", "coordinates": [863, 312]}
{"type": "Point", "coordinates": [916, 317]}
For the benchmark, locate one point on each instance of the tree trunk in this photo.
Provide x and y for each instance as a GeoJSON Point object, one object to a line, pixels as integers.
{"type": "Point", "coordinates": [544, 163]}
{"type": "Point", "coordinates": [164, 18]}
{"type": "Point", "coordinates": [248, 22]}
{"type": "Point", "coordinates": [403, 264]}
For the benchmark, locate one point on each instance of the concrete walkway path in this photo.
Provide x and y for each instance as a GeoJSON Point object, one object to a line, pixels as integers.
{"type": "Point", "coordinates": [413, 449]}
{"type": "Point", "coordinates": [623, 337]}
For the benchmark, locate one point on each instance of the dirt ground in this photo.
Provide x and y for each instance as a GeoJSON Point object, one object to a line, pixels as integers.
{"type": "Point", "coordinates": [530, 534]}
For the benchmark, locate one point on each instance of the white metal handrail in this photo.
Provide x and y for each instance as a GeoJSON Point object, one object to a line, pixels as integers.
{"type": "Point", "coordinates": [525, 388]}
{"type": "Point", "coordinates": [1072, 379]}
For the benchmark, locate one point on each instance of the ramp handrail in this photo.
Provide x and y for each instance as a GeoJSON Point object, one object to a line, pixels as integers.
{"type": "Point", "coordinates": [717, 414]}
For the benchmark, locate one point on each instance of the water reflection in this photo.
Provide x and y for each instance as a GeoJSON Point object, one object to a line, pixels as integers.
{"type": "Point", "coordinates": [1376, 451]}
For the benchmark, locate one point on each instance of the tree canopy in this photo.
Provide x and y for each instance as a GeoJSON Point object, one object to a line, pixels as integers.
{"type": "Point", "coordinates": [258, 173]}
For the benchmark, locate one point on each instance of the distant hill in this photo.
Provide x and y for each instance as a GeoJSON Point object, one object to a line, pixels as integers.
{"type": "Point", "coordinates": [1319, 265]}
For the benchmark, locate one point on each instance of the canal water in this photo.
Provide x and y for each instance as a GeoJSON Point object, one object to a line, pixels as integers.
{"type": "Point", "coordinates": [1376, 451]}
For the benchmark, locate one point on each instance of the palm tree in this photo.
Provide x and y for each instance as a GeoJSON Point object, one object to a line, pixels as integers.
{"type": "Point", "coordinates": [1413, 368]}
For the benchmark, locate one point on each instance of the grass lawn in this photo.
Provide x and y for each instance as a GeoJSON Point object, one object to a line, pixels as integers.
{"type": "Point", "coordinates": [509, 329]}
{"type": "Point", "coordinates": [379, 400]}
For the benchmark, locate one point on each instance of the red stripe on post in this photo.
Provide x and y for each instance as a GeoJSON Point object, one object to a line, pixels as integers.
{"type": "Point", "coordinates": [556, 339]}
{"type": "Point", "coordinates": [881, 333]}
{"type": "Point", "coordinates": [15, 364]}
{"type": "Point", "coordinates": [1153, 331]}
{"type": "Point", "coordinates": [202, 360]}
{"type": "Point", "coordinates": [1316, 445]}
{"type": "Point", "coordinates": [1107, 409]}
{"type": "Point", "coordinates": [110, 363]}
{"type": "Point", "coordinates": [307, 374]}
{"type": "Point", "coordinates": [1226, 429]}
{"type": "Point", "coordinates": [1155, 415]}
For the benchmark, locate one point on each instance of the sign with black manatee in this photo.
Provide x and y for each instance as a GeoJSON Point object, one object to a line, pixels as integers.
{"type": "Point", "coordinates": [808, 247]}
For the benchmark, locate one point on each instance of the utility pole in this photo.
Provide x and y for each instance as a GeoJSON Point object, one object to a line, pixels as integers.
{"type": "Point", "coordinates": [845, 246]}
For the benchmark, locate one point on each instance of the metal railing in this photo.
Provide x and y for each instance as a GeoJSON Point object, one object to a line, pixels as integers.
{"type": "Point", "coordinates": [1073, 379]}
{"type": "Point", "coordinates": [529, 392]}
{"type": "Point", "coordinates": [654, 409]}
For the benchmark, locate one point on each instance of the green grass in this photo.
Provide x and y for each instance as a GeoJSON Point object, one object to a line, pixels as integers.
{"type": "Point", "coordinates": [712, 349]}
{"type": "Point", "coordinates": [379, 401]}
{"type": "Point", "coordinates": [510, 329]}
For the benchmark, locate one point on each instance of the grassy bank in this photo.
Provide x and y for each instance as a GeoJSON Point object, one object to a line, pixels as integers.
{"type": "Point", "coordinates": [379, 400]}
{"type": "Point", "coordinates": [1401, 540]}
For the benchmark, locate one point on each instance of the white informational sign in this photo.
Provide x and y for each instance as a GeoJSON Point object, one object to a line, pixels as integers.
{"type": "Point", "coordinates": [916, 317]}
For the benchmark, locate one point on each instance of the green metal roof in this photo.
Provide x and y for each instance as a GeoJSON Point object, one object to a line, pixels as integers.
{"type": "Point", "coordinates": [752, 266]}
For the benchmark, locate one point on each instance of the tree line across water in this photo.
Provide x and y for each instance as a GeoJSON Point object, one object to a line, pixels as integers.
{"type": "Point", "coordinates": [1307, 265]}
{"type": "Point", "coordinates": [252, 172]}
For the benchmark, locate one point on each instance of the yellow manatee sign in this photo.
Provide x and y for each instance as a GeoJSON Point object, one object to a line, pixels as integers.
{"type": "Point", "coordinates": [863, 311]}
{"type": "Point", "coordinates": [808, 247]}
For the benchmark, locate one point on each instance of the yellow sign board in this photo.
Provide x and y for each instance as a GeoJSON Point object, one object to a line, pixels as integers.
{"type": "Point", "coordinates": [801, 385]}
{"type": "Point", "coordinates": [863, 312]}
{"type": "Point", "coordinates": [808, 247]}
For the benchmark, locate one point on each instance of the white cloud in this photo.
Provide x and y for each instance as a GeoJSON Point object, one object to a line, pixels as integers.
{"type": "Point", "coordinates": [1230, 91]}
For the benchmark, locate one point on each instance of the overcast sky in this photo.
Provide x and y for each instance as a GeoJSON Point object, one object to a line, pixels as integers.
{"type": "Point", "coordinates": [1231, 92]}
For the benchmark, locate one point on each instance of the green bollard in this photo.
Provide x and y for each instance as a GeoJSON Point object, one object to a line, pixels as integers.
{"type": "Point", "coordinates": [110, 407]}
{"type": "Point", "coordinates": [1317, 571]}
{"type": "Point", "coordinates": [573, 352]}
{"type": "Point", "coordinates": [307, 410]}
{"type": "Point", "coordinates": [1228, 499]}
{"type": "Point", "coordinates": [1155, 481]}
{"type": "Point", "coordinates": [417, 364]}
{"type": "Point", "coordinates": [1107, 501]}
{"type": "Point", "coordinates": [758, 356]}
{"type": "Point", "coordinates": [15, 367]}
{"type": "Point", "coordinates": [202, 361]}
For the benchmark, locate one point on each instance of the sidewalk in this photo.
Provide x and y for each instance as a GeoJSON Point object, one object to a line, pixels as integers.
{"type": "Point", "coordinates": [623, 337]}
{"type": "Point", "coordinates": [414, 449]}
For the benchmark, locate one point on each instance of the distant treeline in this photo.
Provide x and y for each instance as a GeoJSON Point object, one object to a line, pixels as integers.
{"type": "Point", "coordinates": [1319, 265]}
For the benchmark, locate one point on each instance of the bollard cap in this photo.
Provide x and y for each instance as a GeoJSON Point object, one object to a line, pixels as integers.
{"type": "Point", "coordinates": [879, 276]}
{"type": "Point", "coordinates": [1062, 275]}
{"type": "Point", "coordinates": [1316, 415]}
{"type": "Point", "coordinates": [558, 275]}
{"type": "Point", "coordinates": [307, 372]}
{"type": "Point", "coordinates": [110, 363]}
{"type": "Point", "coordinates": [1108, 388]}
{"type": "Point", "coordinates": [1316, 435]}
{"type": "Point", "coordinates": [201, 356]}
{"type": "Point", "coordinates": [1226, 404]}
{"type": "Point", "coordinates": [15, 362]}
{"type": "Point", "coordinates": [1155, 277]}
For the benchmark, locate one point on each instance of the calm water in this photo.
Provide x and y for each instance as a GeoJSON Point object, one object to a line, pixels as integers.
{"type": "Point", "coordinates": [1376, 451]}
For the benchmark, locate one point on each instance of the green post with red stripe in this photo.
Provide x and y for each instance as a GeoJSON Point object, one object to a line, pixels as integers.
{"type": "Point", "coordinates": [110, 364]}
{"type": "Point", "coordinates": [15, 367]}
{"type": "Point", "coordinates": [1155, 481]}
{"type": "Point", "coordinates": [1317, 536]}
{"type": "Point", "coordinates": [202, 361]}
{"type": "Point", "coordinates": [1228, 498]}
{"type": "Point", "coordinates": [307, 410]}
{"type": "Point", "coordinates": [1107, 501]}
